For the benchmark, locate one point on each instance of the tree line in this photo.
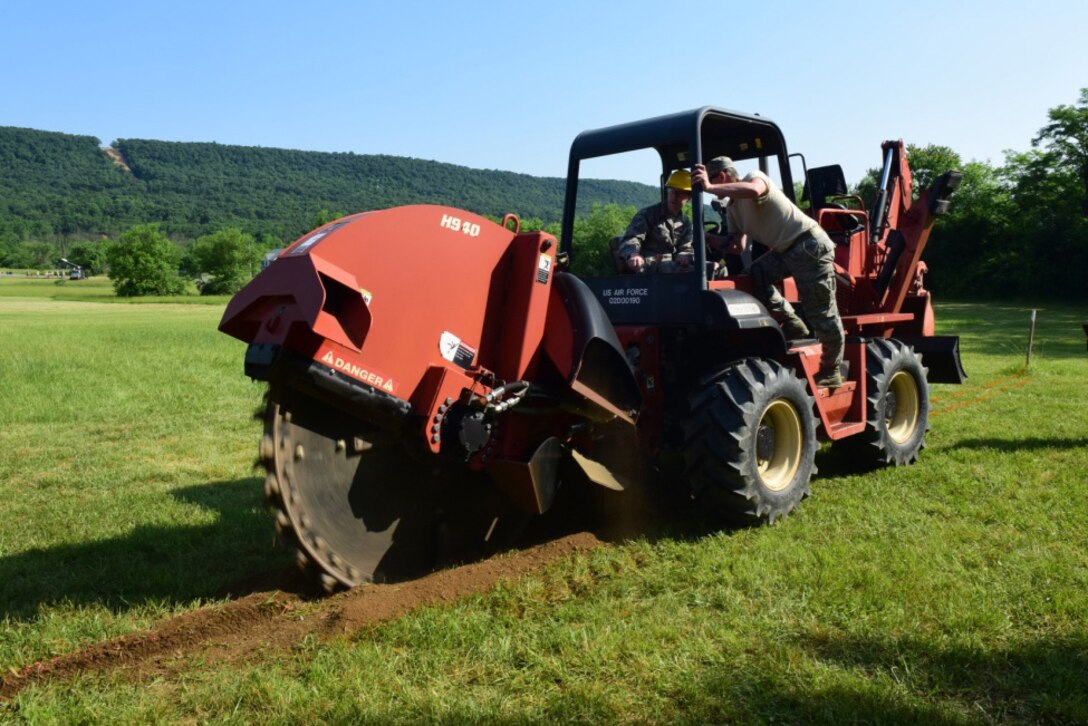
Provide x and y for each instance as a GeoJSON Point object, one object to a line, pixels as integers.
{"type": "Point", "coordinates": [1014, 230]}
{"type": "Point", "coordinates": [63, 196]}
{"type": "Point", "coordinates": [1017, 229]}
{"type": "Point", "coordinates": [209, 212]}
{"type": "Point", "coordinates": [61, 189]}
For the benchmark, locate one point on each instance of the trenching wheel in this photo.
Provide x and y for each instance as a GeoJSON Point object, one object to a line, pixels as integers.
{"type": "Point", "coordinates": [360, 505]}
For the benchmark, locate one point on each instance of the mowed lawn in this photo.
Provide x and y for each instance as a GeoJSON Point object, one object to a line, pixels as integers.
{"type": "Point", "coordinates": [952, 591]}
{"type": "Point", "coordinates": [126, 483]}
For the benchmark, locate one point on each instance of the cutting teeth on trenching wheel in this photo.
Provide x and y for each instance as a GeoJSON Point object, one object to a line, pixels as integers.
{"type": "Point", "coordinates": [361, 507]}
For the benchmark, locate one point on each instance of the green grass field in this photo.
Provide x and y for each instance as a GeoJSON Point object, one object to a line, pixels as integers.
{"type": "Point", "coordinates": [952, 591]}
{"type": "Point", "coordinates": [94, 289]}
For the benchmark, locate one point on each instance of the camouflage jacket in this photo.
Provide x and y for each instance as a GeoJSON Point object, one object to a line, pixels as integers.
{"type": "Point", "coordinates": [653, 232]}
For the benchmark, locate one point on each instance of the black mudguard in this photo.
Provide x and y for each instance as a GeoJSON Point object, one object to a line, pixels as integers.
{"type": "Point", "coordinates": [743, 319]}
{"type": "Point", "coordinates": [582, 344]}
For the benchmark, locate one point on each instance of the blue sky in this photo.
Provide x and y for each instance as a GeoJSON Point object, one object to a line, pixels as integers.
{"type": "Point", "coordinates": [508, 85]}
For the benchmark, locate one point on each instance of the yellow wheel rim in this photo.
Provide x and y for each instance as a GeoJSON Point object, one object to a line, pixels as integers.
{"type": "Point", "coordinates": [901, 407]}
{"type": "Point", "coordinates": [778, 445]}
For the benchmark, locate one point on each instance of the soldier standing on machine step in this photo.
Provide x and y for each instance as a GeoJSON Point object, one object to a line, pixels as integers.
{"type": "Point", "coordinates": [799, 248]}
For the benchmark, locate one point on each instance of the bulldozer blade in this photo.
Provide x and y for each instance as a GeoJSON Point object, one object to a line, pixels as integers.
{"type": "Point", "coordinates": [940, 355]}
{"type": "Point", "coordinates": [597, 472]}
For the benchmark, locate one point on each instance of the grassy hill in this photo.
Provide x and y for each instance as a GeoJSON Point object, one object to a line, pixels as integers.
{"type": "Point", "coordinates": [66, 186]}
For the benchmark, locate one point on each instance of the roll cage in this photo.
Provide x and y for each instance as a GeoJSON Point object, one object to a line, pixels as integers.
{"type": "Point", "coordinates": [682, 140]}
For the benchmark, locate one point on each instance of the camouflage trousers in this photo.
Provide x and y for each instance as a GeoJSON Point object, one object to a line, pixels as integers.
{"type": "Point", "coordinates": [810, 261]}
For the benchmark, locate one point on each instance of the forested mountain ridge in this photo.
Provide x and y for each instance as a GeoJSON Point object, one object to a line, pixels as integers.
{"type": "Point", "coordinates": [1016, 230]}
{"type": "Point", "coordinates": [55, 185]}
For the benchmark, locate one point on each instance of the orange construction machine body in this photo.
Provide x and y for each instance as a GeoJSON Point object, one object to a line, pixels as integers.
{"type": "Point", "coordinates": [433, 375]}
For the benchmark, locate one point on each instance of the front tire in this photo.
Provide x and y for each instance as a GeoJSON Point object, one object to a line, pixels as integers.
{"type": "Point", "coordinates": [750, 442]}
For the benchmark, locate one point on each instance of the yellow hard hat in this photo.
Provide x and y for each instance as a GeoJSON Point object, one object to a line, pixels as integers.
{"type": "Point", "coordinates": [680, 179]}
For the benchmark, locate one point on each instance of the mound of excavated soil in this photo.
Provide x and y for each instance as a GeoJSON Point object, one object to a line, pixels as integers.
{"type": "Point", "coordinates": [270, 618]}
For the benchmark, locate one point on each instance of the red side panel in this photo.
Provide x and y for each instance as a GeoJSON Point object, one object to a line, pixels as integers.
{"type": "Point", "coordinates": [517, 316]}
{"type": "Point", "coordinates": [389, 295]}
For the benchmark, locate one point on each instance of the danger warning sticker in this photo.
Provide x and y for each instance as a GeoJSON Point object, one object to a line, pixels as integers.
{"type": "Point", "coordinates": [455, 351]}
{"type": "Point", "coordinates": [357, 371]}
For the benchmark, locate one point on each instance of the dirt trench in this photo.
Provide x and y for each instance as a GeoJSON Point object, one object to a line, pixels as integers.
{"type": "Point", "coordinates": [273, 617]}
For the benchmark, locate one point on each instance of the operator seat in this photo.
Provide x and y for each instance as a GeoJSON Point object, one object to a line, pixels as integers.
{"type": "Point", "coordinates": [829, 182]}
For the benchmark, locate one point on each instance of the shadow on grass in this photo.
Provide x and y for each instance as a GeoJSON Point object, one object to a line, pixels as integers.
{"type": "Point", "coordinates": [910, 681]}
{"type": "Point", "coordinates": [655, 508]}
{"type": "Point", "coordinates": [151, 563]}
{"type": "Point", "coordinates": [835, 460]}
{"type": "Point", "coordinates": [239, 553]}
{"type": "Point", "coordinates": [1012, 445]}
{"type": "Point", "coordinates": [727, 698]}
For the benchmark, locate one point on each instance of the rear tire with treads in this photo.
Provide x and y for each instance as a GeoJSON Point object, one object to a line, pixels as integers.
{"type": "Point", "coordinates": [750, 442]}
{"type": "Point", "coordinates": [896, 406]}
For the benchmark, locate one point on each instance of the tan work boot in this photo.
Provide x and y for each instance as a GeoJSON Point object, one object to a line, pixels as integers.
{"type": "Point", "coordinates": [795, 330]}
{"type": "Point", "coordinates": [829, 379]}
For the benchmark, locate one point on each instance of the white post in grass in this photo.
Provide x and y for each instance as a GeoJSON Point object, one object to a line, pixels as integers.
{"type": "Point", "coordinates": [1031, 338]}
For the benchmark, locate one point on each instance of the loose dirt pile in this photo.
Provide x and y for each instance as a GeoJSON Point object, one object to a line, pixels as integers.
{"type": "Point", "coordinates": [275, 617]}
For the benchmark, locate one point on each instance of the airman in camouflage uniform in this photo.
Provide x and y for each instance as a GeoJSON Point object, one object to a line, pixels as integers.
{"type": "Point", "coordinates": [659, 230]}
{"type": "Point", "coordinates": [799, 248]}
